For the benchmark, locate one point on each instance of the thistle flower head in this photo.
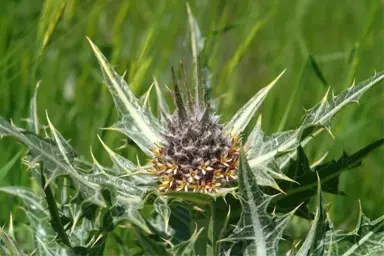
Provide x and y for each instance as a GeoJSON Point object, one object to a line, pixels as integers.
{"type": "Point", "coordinates": [199, 155]}
{"type": "Point", "coordinates": [191, 150]}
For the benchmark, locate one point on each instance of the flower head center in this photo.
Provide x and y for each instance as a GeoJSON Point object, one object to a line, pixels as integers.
{"type": "Point", "coordinates": [199, 163]}
{"type": "Point", "coordinates": [198, 156]}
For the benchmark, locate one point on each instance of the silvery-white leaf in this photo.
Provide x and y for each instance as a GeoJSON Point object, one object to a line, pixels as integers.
{"type": "Point", "coordinates": [283, 160]}
{"type": "Point", "coordinates": [129, 192]}
{"type": "Point", "coordinates": [160, 220]}
{"type": "Point", "coordinates": [58, 157]}
{"type": "Point", "coordinates": [262, 148]}
{"type": "Point", "coordinates": [323, 239]}
{"type": "Point", "coordinates": [258, 229]}
{"type": "Point", "coordinates": [261, 152]}
{"type": "Point", "coordinates": [55, 160]}
{"type": "Point", "coordinates": [366, 239]}
{"type": "Point", "coordinates": [36, 211]}
{"type": "Point", "coordinates": [134, 123]}
{"type": "Point", "coordinates": [30, 198]}
{"type": "Point", "coordinates": [241, 119]}
{"type": "Point", "coordinates": [161, 102]}
{"type": "Point", "coordinates": [322, 113]}
{"type": "Point", "coordinates": [122, 167]}
{"type": "Point", "coordinates": [8, 245]}
{"type": "Point", "coordinates": [146, 111]}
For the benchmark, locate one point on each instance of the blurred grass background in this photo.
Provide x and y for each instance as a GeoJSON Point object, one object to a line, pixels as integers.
{"type": "Point", "coordinates": [247, 44]}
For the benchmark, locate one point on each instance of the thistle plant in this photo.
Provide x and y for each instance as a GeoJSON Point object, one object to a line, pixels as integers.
{"type": "Point", "coordinates": [207, 189]}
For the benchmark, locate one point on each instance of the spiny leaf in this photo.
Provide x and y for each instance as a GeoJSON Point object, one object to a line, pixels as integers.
{"type": "Point", "coordinates": [186, 248]}
{"type": "Point", "coordinates": [261, 150]}
{"type": "Point", "coordinates": [241, 119]}
{"type": "Point", "coordinates": [322, 239]}
{"type": "Point", "coordinates": [134, 124]}
{"type": "Point", "coordinates": [328, 172]}
{"type": "Point", "coordinates": [8, 246]}
{"type": "Point", "coordinates": [317, 231]}
{"type": "Point", "coordinates": [243, 47]}
{"type": "Point", "coordinates": [310, 67]}
{"type": "Point", "coordinates": [38, 218]}
{"type": "Point", "coordinates": [132, 215]}
{"type": "Point", "coordinates": [366, 239]}
{"type": "Point", "coordinates": [322, 113]}
{"type": "Point", "coordinates": [181, 221]}
{"type": "Point", "coordinates": [146, 111]}
{"type": "Point", "coordinates": [162, 104]}
{"type": "Point", "coordinates": [55, 160]}
{"type": "Point", "coordinates": [61, 144]}
{"type": "Point", "coordinates": [47, 248]}
{"type": "Point", "coordinates": [299, 167]}
{"type": "Point", "coordinates": [56, 157]}
{"type": "Point", "coordinates": [220, 213]}
{"type": "Point", "coordinates": [27, 195]}
{"type": "Point", "coordinates": [258, 229]}
{"type": "Point", "coordinates": [369, 239]}
{"type": "Point", "coordinates": [129, 191]}
{"type": "Point", "coordinates": [124, 168]}
{"type": "Point", "coordinates": [161, 217]}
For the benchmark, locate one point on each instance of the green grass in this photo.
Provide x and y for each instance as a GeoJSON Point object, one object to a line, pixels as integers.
{"type": "Point", "coordinates": [247, 44]}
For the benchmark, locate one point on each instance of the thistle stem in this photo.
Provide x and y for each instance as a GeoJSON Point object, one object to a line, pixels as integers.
{"type": "Point", "coordinates": [56, 223]}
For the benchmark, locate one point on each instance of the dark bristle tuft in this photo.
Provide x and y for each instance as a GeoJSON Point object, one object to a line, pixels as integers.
{"type": "Point", "coordinates": [178, 98]}
{"type": "Point", "coordinates": [199, 84]}
{"type": "Point", "coordinates": [190, 99]}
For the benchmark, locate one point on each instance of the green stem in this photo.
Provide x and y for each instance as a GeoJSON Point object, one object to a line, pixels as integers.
{"type": "Point", "coordinates": [56, 223]}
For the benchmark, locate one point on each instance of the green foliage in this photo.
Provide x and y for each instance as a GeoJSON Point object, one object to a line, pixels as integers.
{"type": "Point", "coordinates": [256, 228]}
{"type": "Point", "coordinates": [73, 206]}
{"type": "Point", "coordinates": [8, 245]}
